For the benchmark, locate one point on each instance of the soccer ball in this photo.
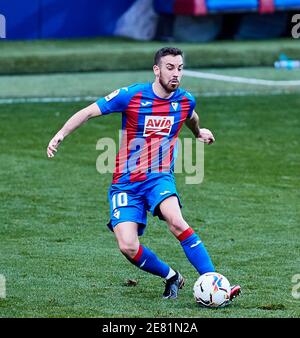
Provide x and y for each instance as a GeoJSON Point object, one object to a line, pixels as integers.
{"type": "Point", "coordinates": [212, 290]}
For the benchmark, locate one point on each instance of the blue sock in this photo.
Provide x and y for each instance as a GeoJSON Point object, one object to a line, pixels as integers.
{"type": "Point", "coordinates": [147, 260]}
{"type": "Point", "coordinates": [195, 251]}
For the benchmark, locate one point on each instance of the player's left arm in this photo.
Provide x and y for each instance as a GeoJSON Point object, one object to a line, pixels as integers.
{"type": "Point", "coordinates": [202, 134]}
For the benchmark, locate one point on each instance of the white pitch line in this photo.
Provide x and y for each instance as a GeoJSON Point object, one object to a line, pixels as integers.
{"type": "Point", "coordinates": [15, 100]}
{"type": "Point", "coordinates": [241, 93]}
{"type": "Point", "coordinates": [238, 79]}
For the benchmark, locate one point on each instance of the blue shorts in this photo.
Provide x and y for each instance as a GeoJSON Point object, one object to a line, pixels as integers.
{"type": "Point", "coordinates": [131, 201]}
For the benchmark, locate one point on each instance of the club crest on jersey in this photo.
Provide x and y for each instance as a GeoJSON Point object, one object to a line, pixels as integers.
{"type": "Point", "coordinates": [159, 125]}
{"type": "Point", "coordinates": [174, 105]}
{"type": "Point", "coordinates": [112, 95]}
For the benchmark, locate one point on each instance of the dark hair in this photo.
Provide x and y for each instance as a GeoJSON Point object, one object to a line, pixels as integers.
{"type": "Point", "coordinates": [166, 51]}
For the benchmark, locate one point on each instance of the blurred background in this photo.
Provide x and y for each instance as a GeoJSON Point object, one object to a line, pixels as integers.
{"type": "Point", "coordinates": [171, 20]}
{"type": "Point", "coordinates": [87, 35]}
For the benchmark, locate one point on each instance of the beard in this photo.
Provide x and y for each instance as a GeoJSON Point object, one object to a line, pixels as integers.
{"type": "Point", "coordinates": [169, 86]}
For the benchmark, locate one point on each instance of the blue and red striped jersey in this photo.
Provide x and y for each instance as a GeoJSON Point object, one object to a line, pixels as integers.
{"type": "Point", "coordinates": [150, 127]}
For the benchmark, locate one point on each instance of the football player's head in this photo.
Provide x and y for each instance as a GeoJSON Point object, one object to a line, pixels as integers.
{"type": "Point", "coordinates": [168, 67]}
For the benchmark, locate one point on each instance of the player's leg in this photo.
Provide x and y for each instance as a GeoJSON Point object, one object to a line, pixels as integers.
{"type": "Point", "coordinates": [126, 234]}
{"type": "Point", "coordinates": [189, 240]}
{"type": "Point", "coordinates": [128, 221]}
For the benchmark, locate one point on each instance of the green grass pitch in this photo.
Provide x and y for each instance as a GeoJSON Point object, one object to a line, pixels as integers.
{"type": "Point", "coordinates": [60, 260]}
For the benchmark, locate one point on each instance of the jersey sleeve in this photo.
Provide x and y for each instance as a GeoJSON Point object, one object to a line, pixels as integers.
{"type": "Point", "coordinates": [117, 101]}
{"type": "Point", "coordinates": [192, 104]}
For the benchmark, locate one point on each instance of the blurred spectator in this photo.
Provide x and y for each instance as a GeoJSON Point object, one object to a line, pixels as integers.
{"type": "Point", "coordinates": [138, 22]}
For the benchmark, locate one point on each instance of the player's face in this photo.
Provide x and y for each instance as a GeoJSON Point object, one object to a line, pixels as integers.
{"type": "Point", "coordinates": [169, 72]}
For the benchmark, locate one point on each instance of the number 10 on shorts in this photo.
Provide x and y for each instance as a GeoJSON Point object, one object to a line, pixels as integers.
{"type": "Point", "coordinates": [119, 200]}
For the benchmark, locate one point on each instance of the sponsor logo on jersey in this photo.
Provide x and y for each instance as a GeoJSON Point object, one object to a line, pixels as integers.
{"type": "Point", "coordinates": [146, 103]}
{"type": "Point", "coordinates": [159, 125]}
{"type": "Point", "coordinates": [112, 95]}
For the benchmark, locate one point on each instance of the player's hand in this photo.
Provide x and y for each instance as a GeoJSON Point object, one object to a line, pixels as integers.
{"type": "Point", "coordinates": [54, 143]}
{"type": "Point", "coordinates": [206, 136]}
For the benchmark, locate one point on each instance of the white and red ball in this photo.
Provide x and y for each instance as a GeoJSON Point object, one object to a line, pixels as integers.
{"type": "Point", "coordinates": [212, 290]}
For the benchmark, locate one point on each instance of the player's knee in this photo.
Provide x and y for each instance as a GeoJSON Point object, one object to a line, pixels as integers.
{"type": "Point", "coordinates": [128, 249]}
{"type": "Point", "coordinates": [177, 224]}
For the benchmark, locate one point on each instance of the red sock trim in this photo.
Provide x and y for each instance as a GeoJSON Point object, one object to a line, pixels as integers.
{"type": "Point", "coordinates": [137, 257]}
{"type": "Point", "coordinates": [185, 234]}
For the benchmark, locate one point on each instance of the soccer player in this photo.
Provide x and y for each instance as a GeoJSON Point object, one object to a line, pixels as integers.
{"type": "Point", "coordinates": [152, 116]}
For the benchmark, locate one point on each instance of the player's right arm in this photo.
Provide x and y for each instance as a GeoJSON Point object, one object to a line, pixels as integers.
{"type": "Point", "coordinates": [73, 123]}
{"type": "Point", "coordinates": [116, 101]}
